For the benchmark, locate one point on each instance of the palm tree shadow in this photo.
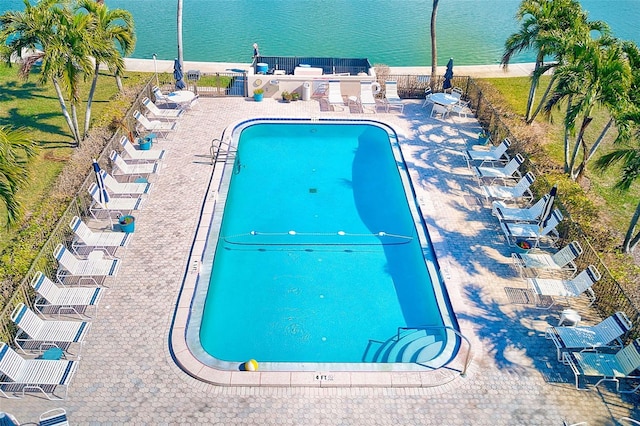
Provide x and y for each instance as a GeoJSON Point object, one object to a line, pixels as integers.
{"type": "Point", "coordinates": [515, 345]}
{"type": "Point", "coordinates": [16, 119]}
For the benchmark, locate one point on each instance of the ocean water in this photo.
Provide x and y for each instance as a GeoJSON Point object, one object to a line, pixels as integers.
{"type": "Point", "coordinates": [392, 32]}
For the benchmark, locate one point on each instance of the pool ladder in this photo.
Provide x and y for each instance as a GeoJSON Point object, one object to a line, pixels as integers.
{"type": "Point", "coordinates": [221, 151]}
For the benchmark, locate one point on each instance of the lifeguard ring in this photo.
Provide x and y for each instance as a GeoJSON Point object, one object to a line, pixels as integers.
{"type": "Point", "coordinates": [375, 87]}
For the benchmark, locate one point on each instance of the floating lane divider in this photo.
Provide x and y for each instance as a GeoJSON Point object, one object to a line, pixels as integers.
{"type": "Point", "coordinates": [315, 238]}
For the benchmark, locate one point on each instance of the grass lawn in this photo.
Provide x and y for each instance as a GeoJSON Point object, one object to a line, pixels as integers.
{"type": "Point", "coordinates": [29, 104]}
{"type": "Point", "coordinates": [617, 207]}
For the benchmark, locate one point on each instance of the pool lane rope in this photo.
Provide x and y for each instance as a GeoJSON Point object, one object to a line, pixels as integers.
{"type": "Point", "coordinates": [292, 233]}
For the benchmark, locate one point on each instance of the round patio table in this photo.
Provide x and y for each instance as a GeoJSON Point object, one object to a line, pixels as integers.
{"type": "Point", "coordinates": [181, 97]}
{"type": "Point", "coordinates": [444, 99]}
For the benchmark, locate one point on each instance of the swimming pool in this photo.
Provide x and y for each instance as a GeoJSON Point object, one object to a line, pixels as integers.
{"type": "Point", "coordinates": [317, 256]}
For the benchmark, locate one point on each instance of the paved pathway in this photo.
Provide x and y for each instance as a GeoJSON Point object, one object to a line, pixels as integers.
{"type": "Point", "coordinates": [127, 376]}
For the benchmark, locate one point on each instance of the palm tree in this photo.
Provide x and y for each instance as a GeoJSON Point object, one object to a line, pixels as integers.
{"type": "Point", "coordinates": [65, 42]}
{"type": "Point", "coordinates": [544, 23]}
{"type": "Point", "coordinates": [630, 159]}
{"type": "Point", "coordinates": [113, 34]}
{"type": "Point", "coordinates": [16, 148]}
{"type": "Point", "coordinates": [434, 49]}
{"type": "Point", "coordinates": [180, 47]}
{"type": "Point", "coordinates": [598, 74]}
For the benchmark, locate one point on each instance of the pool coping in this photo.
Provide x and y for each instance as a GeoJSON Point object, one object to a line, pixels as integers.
{"type": "Point", "coordinates": [189, 363]}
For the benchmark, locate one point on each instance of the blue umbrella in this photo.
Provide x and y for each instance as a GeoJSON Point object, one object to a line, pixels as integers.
{"type": "Point", "coordinates": [547, 209]}
{"type": "Point", "coordinates": [103, 195]}
{"type": "Point", "coordinates": [448, 75]}
{"type": "Point", "coordinates": [178, 75]}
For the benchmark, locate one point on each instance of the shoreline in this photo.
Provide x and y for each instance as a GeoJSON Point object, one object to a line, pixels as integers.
{"type": "Point", "coordinates": [477, 71]}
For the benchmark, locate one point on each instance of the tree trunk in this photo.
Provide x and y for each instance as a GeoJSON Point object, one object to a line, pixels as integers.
{"type": "Point", "coordinates": [534, 85]}
{"type": "Point", "coordinates": [92, 90]}
{"type": "Point", "coordinates": [566, 140]}
{"type": "Point", "coordinates": [542, 101]}
{"type": "Point", "coordinates": [65, 112]}
{"type": "Point", "coordinates": [630, 242]}
{"type": "Point", "coordinates": [180, 47]}
{"type": "Point", "coordinates": [434, 48]}
{"type": "Point", "coordinates": [579, 142]}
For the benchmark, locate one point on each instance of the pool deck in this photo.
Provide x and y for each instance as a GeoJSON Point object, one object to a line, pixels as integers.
{"type": "Point", "coordinates": [127, 373]}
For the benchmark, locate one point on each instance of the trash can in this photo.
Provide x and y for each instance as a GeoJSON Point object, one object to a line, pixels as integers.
{"type": "Point", "coordinates": [193, 75]}
{"type": "Point", "coordinates": [262, 68]}
{"type": "Point", "coordinates": [306, 91]}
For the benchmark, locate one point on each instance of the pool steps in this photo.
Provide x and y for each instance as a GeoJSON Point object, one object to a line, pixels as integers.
{"type": "Point", "coordinates": [415, 346]}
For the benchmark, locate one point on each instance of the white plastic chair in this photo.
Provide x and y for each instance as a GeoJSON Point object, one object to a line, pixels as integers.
{"type": "Point", "coordinates": [542, 264]}
{"type": "Point", "coordinates": [367, 101]}
{"type": "Point", "coordinates": [509, 171]}
{"type": "Point", "coordinates": [118, 205]}
{"type": "Point", "coordinates": [161, 127]}
{"type": "Point", "coordinates": [124, 188]}
{"type": "Point", "coordinates": [84, 237]}
{"type": "Point", "coordinates": [427, 97]}
{"type": "Point", "coordinates": [52, 298]}
{"type": "Point", "coordinates": [54, 417]}
{"type": "Point", "coordinates": [567, 288]}
{"type": "Point", "coordinates": [493, 154]}
{"type": "Point", "coordinates": [532, 231]}
{"type": "Point", "coordinates": [41, 375]}
{"type": "Point", "coordinates": [606, 333]}
{"type": "Point", "coordinates": [335, 95]}
{"type": "Point", "coordinates": [140, 155]}
{"type": "Point", "coordinates": [133, 169]}
{"type": "Point", "coordinates": [505, 213]}
{"type": "Point", "coordinates": [167, 113]}
{"type": "Point", "coordinates": [35, 333]}
{"type": "Point", "coordinates": [519, 191]}
{"type": "Point", "coordinates": [96, 265]}
{"type": "Point", "coordinates": [437, 109]}
{"type": "Point", "coordinates": [391, 97]}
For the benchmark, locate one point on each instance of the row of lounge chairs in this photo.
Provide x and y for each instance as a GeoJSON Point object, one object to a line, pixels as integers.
{"type": "Point", "coordinates": [366, 101]}
{"type": "Point", "coordinates": [46, 350]}
{"type": "Point", "coordinates": [586, 350]}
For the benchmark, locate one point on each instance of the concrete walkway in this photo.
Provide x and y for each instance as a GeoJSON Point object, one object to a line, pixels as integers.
{"type": "Point", "coordinates": [127, 375]}
{"type": "Point", "coordinates": [478, 71]}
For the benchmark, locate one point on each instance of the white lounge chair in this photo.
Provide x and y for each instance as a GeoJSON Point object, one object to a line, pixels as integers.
{"type": "Point", "coordinates": [509, 171]}
{"type": "Point", "coordinates": [141, 155]}
{"type": "Point", "coordinates": [505, 213]}
{"type": "Point", "coordinates": [41, 375]}
{"type": "Point", "coordinates": [85, 238]}
{"type": "Point", "coordinates": [540, 264]}
{"type": "Point", "coordinates": [52, 298]}
{"type": "Point", "coordinates": [493, 154]}
{"type": "Point", "coordinates": [502, 192]}
{"type": "Point", "coordinates": [133, 169]}
{"type": "Point", "coordinates": [118, 205]}
{"type": "Point", "coordinates": [37, 334]}
{"type": "Point", "coordinates": [335, 95]}
{"type": "Point", "coordinates": [161, 127]}
{"type": "Point", "coordinates": [96, 265]}
{"type": "Point", "coordinates": [160, 97]}
{"type": "Point", "coordinates": [167, 113]}
{"type": "Point", "coordinates": [367, 100]}
{"type": "Point", "coordinates": [54, 417]}
{"type": "Point", "coordinates": [606, 367]}
{"type": "Point", "coordinates": [391, 98]}
{"type": "Point", "coordinates": [607, 333]}
{"type": "Point", "coordinates": [532, 231]}
{"type": "Point", "coordinates": [124, 188]}
{"type": "Point", "coordinates": [557, 287]}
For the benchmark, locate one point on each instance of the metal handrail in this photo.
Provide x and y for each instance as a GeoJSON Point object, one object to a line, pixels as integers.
{"type": "Point", "coordinates": [467, 359]}
{"type": "Point", "coordinates": [215, 149]}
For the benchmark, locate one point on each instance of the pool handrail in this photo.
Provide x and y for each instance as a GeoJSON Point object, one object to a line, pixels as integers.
{"type": "Point", "coordinates": [467, 358]}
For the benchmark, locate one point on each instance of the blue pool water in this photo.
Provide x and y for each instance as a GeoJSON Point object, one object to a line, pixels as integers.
{"type": "Point", "coordinates": [320, 254]}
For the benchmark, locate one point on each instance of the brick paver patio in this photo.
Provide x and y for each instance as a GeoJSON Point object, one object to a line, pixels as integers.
{"type": "Point", "coordinates": [127, 374]}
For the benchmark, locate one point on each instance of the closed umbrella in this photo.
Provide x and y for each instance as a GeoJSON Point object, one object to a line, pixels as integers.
{"type": "Point", "coordinates": [178, 75]}
{"type": "Point", "coordinates": [448, 75]}
{"type": "Point", "coordinates": [103, 195]}
{"type": "Point", "coordinates": [547, 209]}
